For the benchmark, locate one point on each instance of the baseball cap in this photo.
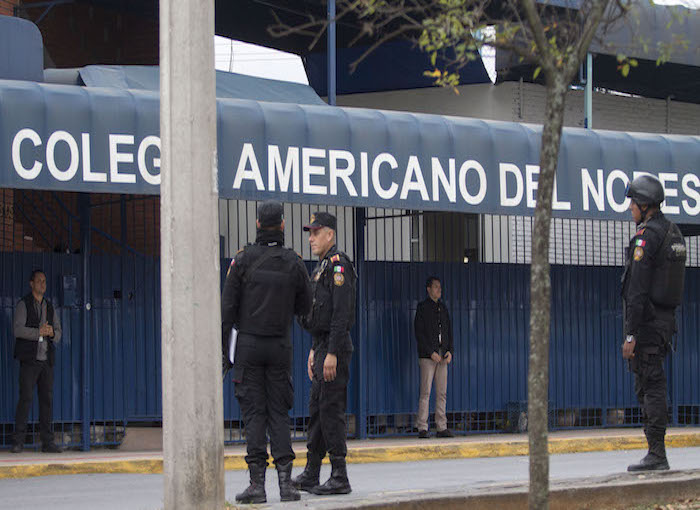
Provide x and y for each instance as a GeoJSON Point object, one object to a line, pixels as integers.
{"type": "Point", "coordinates": [319, 220]}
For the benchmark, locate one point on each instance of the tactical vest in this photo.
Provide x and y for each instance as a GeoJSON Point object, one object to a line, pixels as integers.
{"type": "Point", "coordinates": [669, 270]}
{"type": "Point", "coordinates": [26, 350]}
{"type": "Point", "coordinates": [268, 291]}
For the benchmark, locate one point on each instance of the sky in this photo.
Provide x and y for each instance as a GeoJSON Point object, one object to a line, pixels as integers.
{"type": "Point", "coordinates": [253, 60]}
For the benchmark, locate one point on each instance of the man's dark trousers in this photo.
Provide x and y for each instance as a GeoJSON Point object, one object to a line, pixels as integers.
{"type": "Point", "coordinates": [327, 404]}
{"type": "Point", "coordinates": [263, 387]}
{"type": "Point", "coordinates": [650, 387]}
{"type": "Point", "coordinates": [31, 374]}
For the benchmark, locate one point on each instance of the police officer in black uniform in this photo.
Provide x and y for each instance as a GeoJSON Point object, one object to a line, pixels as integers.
{"type": "Point", "coordinates": [266, 285]}
{"type": "Point", "coordinates": [330, 320]}
{"type": "Point", "coordinates": [652, 288]}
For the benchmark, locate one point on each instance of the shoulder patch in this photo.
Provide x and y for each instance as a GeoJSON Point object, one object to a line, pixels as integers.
{"type": "Point", "coordinates": [640, 232]}
{"type": "Point", "coordinates": [335, 258]}
{"type": "Point", "coordinates": [638, 253]}
{"type": "Point", "coordinates": [338, 279]}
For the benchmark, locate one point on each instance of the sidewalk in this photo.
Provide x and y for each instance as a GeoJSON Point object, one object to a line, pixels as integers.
{"type": "Point", "coordinates": [31, 463]}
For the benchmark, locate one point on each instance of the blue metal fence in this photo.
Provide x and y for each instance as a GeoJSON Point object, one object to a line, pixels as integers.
{"type": "Point", "coordinates": [108, 365]}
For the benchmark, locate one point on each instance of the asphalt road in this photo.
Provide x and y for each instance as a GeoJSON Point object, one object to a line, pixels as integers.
{"type": "Point", "coordinates": [369, 481]}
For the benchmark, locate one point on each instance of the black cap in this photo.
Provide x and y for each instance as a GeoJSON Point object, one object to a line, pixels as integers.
{"type": "Point", "coordinates": [645, 190]}
{"type": "Point", "coordinates": [319, 220]}
{"type": "Point", "coordinates": [270, 213]}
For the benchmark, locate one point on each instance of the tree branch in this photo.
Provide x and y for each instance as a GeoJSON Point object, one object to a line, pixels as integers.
{"type": "Point", "coordinates": [538, 34]}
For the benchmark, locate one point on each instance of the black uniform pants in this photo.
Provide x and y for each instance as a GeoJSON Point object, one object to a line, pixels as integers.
{"type": "Point", "coordinates": [39, 374]}
{"type": "Point", "coordinates": [327, 404]}
{"type": "Point", "coordinates": [263, 387]}
{"type": "Point", "coordinates": [650, 387]}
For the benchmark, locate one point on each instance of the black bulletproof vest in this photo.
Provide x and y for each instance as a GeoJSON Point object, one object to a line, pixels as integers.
{"type": "Point", "coordinates": [669, 270]}
{"type": "Point", "coordinates": [269, 290]}
{"type": "Point", "coordinates": [25, 350]}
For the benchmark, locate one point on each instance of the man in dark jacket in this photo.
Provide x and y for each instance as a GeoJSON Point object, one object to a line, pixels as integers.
{"type": "Point", "coordinates": [37, 330]}
{"type": "Point", "coordinates": [652, 287]}
{"type": "Point", "coordinates": [434, 337]}
{"type": "Point", "coordinates": [332, 316]}
{"type": "Point", "coordinates": [266, 285]}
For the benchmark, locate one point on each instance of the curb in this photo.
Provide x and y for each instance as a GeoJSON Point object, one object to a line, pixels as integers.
{"type": "Point", "coordinates": [363, 455]}
{"type": "Point", "coordinates": [619, 491]}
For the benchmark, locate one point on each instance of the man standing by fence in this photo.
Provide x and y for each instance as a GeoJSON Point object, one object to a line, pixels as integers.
{"type": "Point", "coordinates": [267, 284]}
{"type": "Point", "coordinates": [332, 316]}
{"type": "Point", "coordinates": [434, 337]}
{"type": "Point", "coordinates": [37, 329]}
{"type": "Point", "coordinates": [652, 288]}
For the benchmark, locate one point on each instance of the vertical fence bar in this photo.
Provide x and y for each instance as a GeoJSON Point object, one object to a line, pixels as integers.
{"type": "Point", "coordinates": [84, 208]}
{"type": "Point", "coordinates": [362, 304]}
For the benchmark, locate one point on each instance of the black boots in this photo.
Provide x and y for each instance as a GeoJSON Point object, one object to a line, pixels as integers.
{"type": "Point", "coordinates": [287, 490]}
{"type": "Point", "coordinates": [652, 462]}
{"type": "Point", "coordinates": [338, 482]}
{"type": "Point", "coordinates": [308, 479]}
{"type": "Point", "coordinates": [255, 493]}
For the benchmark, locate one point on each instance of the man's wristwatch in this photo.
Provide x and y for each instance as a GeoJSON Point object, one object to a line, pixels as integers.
{"type": "Point", "coordinates": [629, 339]}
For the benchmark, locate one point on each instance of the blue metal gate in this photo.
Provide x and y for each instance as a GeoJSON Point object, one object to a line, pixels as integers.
{"type": "Point", "coordinates": [103, 251]}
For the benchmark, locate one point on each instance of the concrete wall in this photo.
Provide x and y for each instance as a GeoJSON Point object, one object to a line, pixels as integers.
{"type": "Point", "coordinates": [525, 103]}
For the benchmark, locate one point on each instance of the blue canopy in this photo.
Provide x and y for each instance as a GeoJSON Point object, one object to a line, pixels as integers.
{"type": "Point", "coordinates": [74, 138]}
{"type": "Point", "coordinates": [230, 85]}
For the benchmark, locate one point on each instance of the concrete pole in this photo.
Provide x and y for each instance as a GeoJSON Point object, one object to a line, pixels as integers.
{"type": "Point", "coordinates": [193, 442]}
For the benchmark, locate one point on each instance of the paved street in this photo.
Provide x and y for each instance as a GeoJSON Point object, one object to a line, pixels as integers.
{"type": "Point", "coordinates": [369, 481]}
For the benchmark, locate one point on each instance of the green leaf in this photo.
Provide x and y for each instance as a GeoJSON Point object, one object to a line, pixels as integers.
{"type": "Point", "coordinates": [625, 70]}
{"type": "Point", "coordinates": [433, 58]}
{"type": "Point", "coordinates": [536, 73]}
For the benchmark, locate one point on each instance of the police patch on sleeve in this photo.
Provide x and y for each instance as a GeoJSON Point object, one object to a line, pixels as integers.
{"type": "Point", "coordinates": [638, 253]}
{"type": "Point", "coordinates": [338, 279]}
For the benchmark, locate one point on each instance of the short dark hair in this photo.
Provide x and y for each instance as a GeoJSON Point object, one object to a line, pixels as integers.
{"type": "Point", "coordinates": [36, 272]}
{"type": "Point", "coordinates": [430, 280]}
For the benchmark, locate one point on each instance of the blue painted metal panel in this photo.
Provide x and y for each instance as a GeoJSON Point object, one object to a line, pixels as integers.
{"type": "Point", "coordinates": [489, 305]}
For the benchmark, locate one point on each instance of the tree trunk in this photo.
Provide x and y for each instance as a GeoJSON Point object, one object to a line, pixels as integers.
{"type": "Point", "coordinates": [540, 292]}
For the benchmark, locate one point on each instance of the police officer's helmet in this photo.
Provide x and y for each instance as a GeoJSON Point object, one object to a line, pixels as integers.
{"type": "Point", "coordinates": [646, 190]}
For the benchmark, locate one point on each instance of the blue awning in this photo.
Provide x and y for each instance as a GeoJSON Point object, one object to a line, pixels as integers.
{"type": "Point", "coordinates": [228, 85]}
{"type": "Point", "coordinates": [71, 138]}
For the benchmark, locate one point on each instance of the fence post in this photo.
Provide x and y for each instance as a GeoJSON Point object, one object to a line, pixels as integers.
{"type": "Point", "coordinates": [361, 416]}
{"type": "Point", "coordinates": [84, 208]}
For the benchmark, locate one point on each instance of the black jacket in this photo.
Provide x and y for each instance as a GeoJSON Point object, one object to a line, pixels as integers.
{"type": "Point", "coordinates": [261, 296]}
{"type": "Point", "coordinates": [333, 311]}
{"type": "Point", "coordinates": [431, 320]}
{"type": "Point", "coordinates": [648, 323]}
{"type": "Point", "coordinates": [26, 350]}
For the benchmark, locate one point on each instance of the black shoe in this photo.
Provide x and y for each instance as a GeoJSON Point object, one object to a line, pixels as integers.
{"type": "Point", "coordinates": [51, 448]}
{"type": "Point", "coordinates": [16, 448]}
{"type": "Point", "coordinates": [255, 493]}
{"type": "Point", "coordinates": [287, 490]}
{"type": "Point", "coordinates": [309, 478]}
{"type": "Point", "coordinates": [445, 433]}
{"type": "Point", "coordinates": [650, 463]}
{"type": "Point", "coordinates": [423, 434]}
{"type": "Point", "coordinates": [338, 482]}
